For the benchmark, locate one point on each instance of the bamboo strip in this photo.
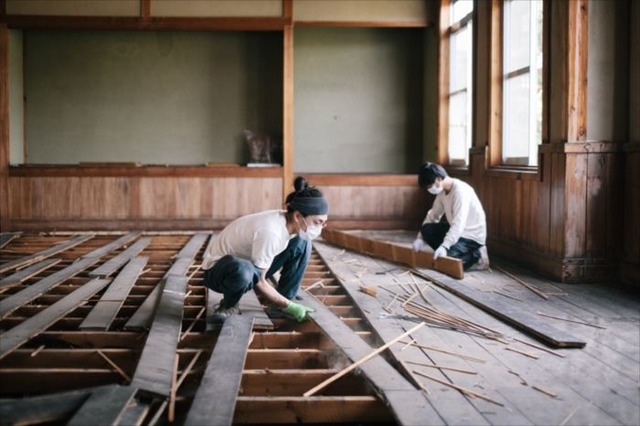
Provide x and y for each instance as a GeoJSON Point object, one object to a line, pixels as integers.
{"type": "Point", "coordinates": [444, 351]}
{"type": "Point", "coordinates": [360, 361]}
{"type": "Point", "coordinates": [174, 387]}
{"type": "Point", "coordinates": [546, 392]}
{"type": "Point", "coordinates": [193, 323]}
{"type": "Point", "coordinates": [566, 419]}
{"type": "Point", "coordinates": [114, 366]}
{"type": "Point", "coordinates": [570, 320]}
{"type": "Point", "coordinates": [442, 367]}
{"type": "Point", "coordinates": [542, 348]}
{"type": "Point", "coordinates": [465, 391]}
{"type": "Point", "coordinates": [529, 286]}
{"type": "Point", "coordinates": [37, 351]}
{"type": "Point", "coordinates": [530, 355]}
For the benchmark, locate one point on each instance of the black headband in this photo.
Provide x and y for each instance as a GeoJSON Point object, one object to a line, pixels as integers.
{"type": "Point", "coordinates": [309, 205]}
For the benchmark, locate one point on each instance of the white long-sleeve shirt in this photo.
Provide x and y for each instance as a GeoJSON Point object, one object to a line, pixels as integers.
{"type": "Point", "coordinates": [464, 213]}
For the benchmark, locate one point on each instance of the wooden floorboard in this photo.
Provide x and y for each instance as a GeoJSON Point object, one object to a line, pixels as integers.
{"type": "Point", "coordinates": [104, 407]}
{"type": "Point", "coordinates": [249, 304]}
{"type": "Point", "coordinates": [215, 400]}
{"type": "Point", "coordinates": [7, 237]}
{"type": "Point", "coordinates": [112, 265]}
{"type": "Point", "coordinates": [26, 273]}
{"type": "Point", "coordinates": [42, 409]}
{"type": "Point", "coordinates": [191, 249]}
{"type": "Point", "coordinates": [44, 254]}
{"type": "Point", "coordinates": [114, 245]}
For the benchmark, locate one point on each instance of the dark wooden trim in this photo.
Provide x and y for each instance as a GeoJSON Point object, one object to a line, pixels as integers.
{"type": "Point", "coordinates": [288, 109]}
{"type": "Point", "coordinates": [586, 147]}
{"type": "Point", "coordinates": [5, 221]}
{"type": "Point", "coordinates": [121, 225]}
{"type": "Point", "coordinates": [144, 171]}
{"type": "Point", "coordinates": [631, 147]}
{"type": "Point", "coordinates": [352, 179]}
{"type": "Point", "coordinates": [145, 9]}
{"type": "Point", "coordinates": [287, 9]}
{"type": "Point", "coordinates": [365, 24]}
{"type": "Point", "coordinates": [43, 22]}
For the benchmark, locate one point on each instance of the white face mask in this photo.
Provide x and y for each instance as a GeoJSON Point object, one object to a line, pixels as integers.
{"type": "Point", "coordinates": [311, 233]}
{"type": "Point", "coordinates": [435, 190]}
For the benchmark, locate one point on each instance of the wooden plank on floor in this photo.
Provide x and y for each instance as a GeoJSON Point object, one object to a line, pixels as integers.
{"type": "Point", "coordinates": [104, 312]}
{"type": "Point", "coordinates": [104, 407]}
{"type": "Point", "coordinates": [143, 317]}
{"type": "Point", "coordinates": [249, 304]}
{"type": "Point", "coordinates": [44, 254]}
{"type": "Point", "coordinates": [7, 237]}
{"type": "Point", "coordinates": [28, 272]}
{"type": "Point", "coordinates": [13, 302]}
{"type": "Point", "coordinates": [506, 311]}
{"type": "Point", "coordinates": [31, 327]}
{"type": "Point", "coordinates": [115, 263]}
{"type": "Point", "coordinates": [114, 245]}
{"type": "Point", "coordinates": [191, 249]}
{"type": "Point", "coordinates": [42, 409]}
{"type": "Point", "coordinates": [215, 399]}
{"type": "Point", "coordinates": [155, 368]}
{"type": "Point", "coordinates": [382, 376]}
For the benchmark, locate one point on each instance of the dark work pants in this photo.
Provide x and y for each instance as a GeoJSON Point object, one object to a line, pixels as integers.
{"type": "Point", "coordinates": [233, 276]}
{"type": "Point", "coordinates": [464, 249]}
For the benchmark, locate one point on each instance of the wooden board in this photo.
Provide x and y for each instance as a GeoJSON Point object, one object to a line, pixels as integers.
{"type": "Point", "coordinates": [11, 303]}
{"type": "Point", "coordinates": [249, 305]}
{"type": "Point", "coordinates": [7, 237]}
{"type": "Point", "coordinates": [215, 400]}
{"type": "Point", "coordinates": [125, 239]}
{"type": "Point", "coordinates": [191, 249]}
{"type": "Point", "coordinates": [104, 312]}
{"type": "Point", "coordinates": [42, 409]}
{"type": "Point", "coordinates": [144, 315]}
{"type": "Point", "coordinates": [44, 254]}
{"type": "Point", "coordinates": [156, 366]}
{"type": "Point", "coordinates": [112, 265]}
{"type": "Point", "coordinates": [394, 253]}
{"type": "Point", "coordinates": [382, 376]}
{"type": "Point", "coordinates": [20, 334]}
{"type": "Point", "coordinates": [104, 407]}
{"type": "Point", "coordinates": [506, 311]}
{"type": "Point", "coordinates": [26, 273]}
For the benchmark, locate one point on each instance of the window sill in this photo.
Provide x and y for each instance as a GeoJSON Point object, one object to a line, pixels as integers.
{"type": "Point", "coordinates": [513, 172]}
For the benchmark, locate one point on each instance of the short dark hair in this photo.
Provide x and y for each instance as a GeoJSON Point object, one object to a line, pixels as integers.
{"type": "Point", "coordinates": [429, 172]}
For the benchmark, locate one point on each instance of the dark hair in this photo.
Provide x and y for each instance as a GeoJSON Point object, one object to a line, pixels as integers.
{"type": "Point", "coordinates": [302, 190]}
{"type": "Point", "coordinates": [429, 172]}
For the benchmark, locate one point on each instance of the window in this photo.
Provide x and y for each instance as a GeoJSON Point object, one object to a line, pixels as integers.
{"type": "Point", "coordinates": [522, 82]}
{"type": "Point", "coordinates": [459, 94]}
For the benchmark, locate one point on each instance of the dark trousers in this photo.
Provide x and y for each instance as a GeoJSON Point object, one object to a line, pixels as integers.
{"type": "Point", "coordinates": [233, 276]}
{"type": "Point", "coordinates": [464, 249]}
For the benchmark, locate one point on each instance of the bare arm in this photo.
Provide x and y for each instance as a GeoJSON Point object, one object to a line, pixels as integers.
{"type": "Point", "coordinates": [269, 292]}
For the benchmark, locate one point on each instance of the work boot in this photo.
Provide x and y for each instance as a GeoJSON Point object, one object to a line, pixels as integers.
{"type": "Point", "coordinates": [223, 312]}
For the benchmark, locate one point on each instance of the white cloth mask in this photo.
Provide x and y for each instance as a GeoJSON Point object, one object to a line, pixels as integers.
{"type": "Point", "coordinates": [312, 232]}
{"type": "Point", "coordinates": [435, 190]}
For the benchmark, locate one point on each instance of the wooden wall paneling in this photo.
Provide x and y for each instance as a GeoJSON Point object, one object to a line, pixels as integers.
{"type": "Point", "coordinates": [557, 207]}
{"type": "Point", "coordinates": [575, 205]}
{"type": "Point", "coordinates": [597, 206]}
{"type": "Point", "coordinates": [630, 270]}
{"type": "Point", "coordinates": [5, 221]}
{"type": "Point", "coordinates": [543, 204]}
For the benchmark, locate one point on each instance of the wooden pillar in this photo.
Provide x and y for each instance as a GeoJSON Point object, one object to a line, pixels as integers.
{"type": "Point", "coordinates": [287, 101]}
{"type": "Point", "coordinates": [4, 124]}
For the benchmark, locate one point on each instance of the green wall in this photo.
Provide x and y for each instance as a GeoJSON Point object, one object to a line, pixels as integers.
{"type": "Point", "coordinates": [16, 103]}
{"type": "Point", "coordinates": [152, 97]}
{"type": "Point", "coordinates": [358, 100]}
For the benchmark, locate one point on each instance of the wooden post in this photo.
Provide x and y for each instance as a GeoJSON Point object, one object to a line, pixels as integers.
{"type": "Point", "coordinates": [288, 108]}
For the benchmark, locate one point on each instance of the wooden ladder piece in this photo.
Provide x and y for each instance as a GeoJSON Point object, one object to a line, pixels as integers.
{"type": "Point", "coordinates": [44, 254]}
{"type": "Point", "coordinates": [215, 400]}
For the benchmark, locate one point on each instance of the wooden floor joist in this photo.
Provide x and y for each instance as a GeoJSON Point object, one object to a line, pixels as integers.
{"type": "Point", "coordinates": [112, 265]}
{"type": "Point", "coordinates": [18, 335]}
{"type": "Point", "coordinates": [44, 254]}
{"type": "Point", "coordinates": [407, 403]}
{"type": "Point", "coordinates": [26, 273]}
{"type": "Point", "coordinates": [215, 400]}
{"type": "Point", "coordinates": [394, 253]}
{"type": "Point", "coordinates": [104, 407]}
{"type": "Point", "coordinates": [104, 312]}
{"type": "Point", "coordinates": [156, 366]}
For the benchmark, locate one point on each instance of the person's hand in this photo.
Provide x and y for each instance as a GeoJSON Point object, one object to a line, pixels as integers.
{"type": "Point", "coordinates": [298, 310]}
{"type": "Point", "coordinates": [418, 244]}
{"type": "Point", "coordinates": [441, 251]}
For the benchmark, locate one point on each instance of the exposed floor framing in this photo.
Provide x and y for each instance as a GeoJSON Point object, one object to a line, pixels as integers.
{"type": "Point", "coordinates": [113, 328]}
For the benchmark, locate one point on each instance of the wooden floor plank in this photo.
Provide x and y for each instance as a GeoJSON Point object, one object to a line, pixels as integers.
{"type": "Point", "coordinates": [104, 312]}
{"type": "Point", "coordinates": [104, 407]}
{"type": "Point", "coordinates": [44, 254]}
{"type": "Point", "coordinates": [382, 376]}
{"type": "Point", "coordinates": [191, 249]}
{"type": "Point", "coordinates": [114, 245]}
{"type": "Point", "coordinates": [156, 366]}
{"type": "Point", "coordinates": [42, 409]}
{"type": "Point", "coordinates": [20, 334]}
{"type": "Point", "coordinates": [215, 400]}
{"type": "Point", "coordinates": [115, 263]}
{"type": "Point", "coordinates": [7, 237]}
{"type": "Point", "coordinates": [143, 317]}
{"type": "Point", "coordinates": [13, 302]}
{"type": "Point", "coordinates": [26, 273]}
{"type": "Point", "coordinates": [249, 304]}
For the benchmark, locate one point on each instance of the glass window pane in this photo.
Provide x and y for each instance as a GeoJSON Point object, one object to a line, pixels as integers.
{"type": "Point", "coordinates": [460, 61]}
{"type": "Point", "coordinates": [517, 35]}
{"type": "Point", "coordinates": [460, 9]}
{"type": "Point", "coordinates": [459, 128]}
{"type": "Point", "coordinates": [516, 113]}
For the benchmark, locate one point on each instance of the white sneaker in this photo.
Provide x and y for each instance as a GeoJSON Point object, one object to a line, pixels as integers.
{"type": "Point", "coordinates": [483, 263]}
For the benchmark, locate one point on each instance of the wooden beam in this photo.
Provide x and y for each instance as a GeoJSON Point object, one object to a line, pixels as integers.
{"type": "Point", "coordinates": [155, 368]}
{"type": "Point", "coordinates": [105, 406]}
{"type": "Point", "coordinates": [20, 334]}
{"type": "Point", "coordinates": [104, 312]}
{"type": "Point", "coordinates": [215, 399]}
{"type": "Point", "coordinates": [11, 303]}
{"type": "Point", "coordinates": [44, 254]}
{"type": "Point", "coordinates": [115, 263]}
{"type": "Point", "coordinates": [26, 273]}
{"type": "Point", "coordinates": [409, 405]}
{"type": "Point", "coordinates": [42, 409]}
{"type": "Point", "coordinates": [507, 312]}
{"type": "Point", "coordinates": [576, 78]}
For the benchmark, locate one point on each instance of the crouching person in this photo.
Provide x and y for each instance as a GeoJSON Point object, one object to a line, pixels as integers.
{"type": "Point", "coordinates": [252, 248]}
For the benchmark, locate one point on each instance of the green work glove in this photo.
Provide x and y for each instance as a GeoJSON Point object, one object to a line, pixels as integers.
{"type": "Point", "coordinates": [298, 311]}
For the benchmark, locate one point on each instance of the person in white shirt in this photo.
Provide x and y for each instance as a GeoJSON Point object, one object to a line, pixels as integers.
{"type": "Point", "coordinates": [464, 233]}
{"type": "Point", "coordinates": [253, 248]}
